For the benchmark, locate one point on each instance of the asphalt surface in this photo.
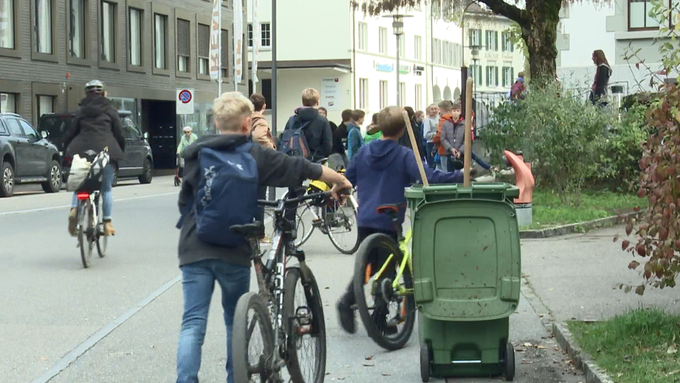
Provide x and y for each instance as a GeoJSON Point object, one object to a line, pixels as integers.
{"type": "Point", "coordinates": [119, 320]}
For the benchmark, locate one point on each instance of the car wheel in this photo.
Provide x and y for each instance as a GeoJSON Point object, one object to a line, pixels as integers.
{"type": "Point", "coordinates": [53, 183]}
{"type": "Point", "coordinates": [7, 180]}
{"type": "Point", "coordinates": [146, 177]}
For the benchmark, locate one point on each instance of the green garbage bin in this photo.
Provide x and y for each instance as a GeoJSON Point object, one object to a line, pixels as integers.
{"type": "Point", "coordinates": [467, 277]}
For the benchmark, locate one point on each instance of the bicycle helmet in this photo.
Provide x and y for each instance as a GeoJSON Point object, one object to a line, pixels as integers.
{"type": "Point", "coordinates": [94, 87]}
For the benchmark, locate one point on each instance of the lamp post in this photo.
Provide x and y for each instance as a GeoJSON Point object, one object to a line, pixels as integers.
{"type": "Point", "coordinates": [398, 30]}
{"type": "Point", "coordinates": [463, 69]}
{"type": "Point", "coordinates": [474, 51]}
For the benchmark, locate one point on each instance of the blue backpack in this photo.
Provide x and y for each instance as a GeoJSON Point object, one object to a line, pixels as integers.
{"type": "Point", "coordinates": [293, 141]}
{"type": "Point", "coordinates": [226, 194]}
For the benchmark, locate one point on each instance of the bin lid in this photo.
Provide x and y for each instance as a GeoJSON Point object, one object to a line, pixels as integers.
{"type": "Point", "coordinates": [498, 191]}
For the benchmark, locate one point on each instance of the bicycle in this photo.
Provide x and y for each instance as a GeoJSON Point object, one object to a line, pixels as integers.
{"type": "Point", "coordinates": [392, 284]}
{"type": "Point", "coordinates": [283, 323]}
{"type": "Point", "coordinates": [333, 218]}
{"type": "Point", "coordinates": [89, 220]}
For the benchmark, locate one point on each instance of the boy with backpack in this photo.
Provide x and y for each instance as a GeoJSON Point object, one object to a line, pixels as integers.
{"type": "Point", "coordinates": [222, 177]}
{"type": "Point", "coordinates": [387, 168]}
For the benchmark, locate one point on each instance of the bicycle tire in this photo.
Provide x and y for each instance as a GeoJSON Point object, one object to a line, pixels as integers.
{"type": "Point", "coordinates": [355, 245]}
{"type": "Point", "coordinates": [241, 339]}
{"type": "Point", "coordinates": [102, 239]}
{"type": "Point", "coordinates": [305, 234]}
{"type": "Point", "coordinates": [398, 340]}
{"type": "Point", "coordinates": [317, 328]}
{"type": "Point", "coordinates": [84, 218]}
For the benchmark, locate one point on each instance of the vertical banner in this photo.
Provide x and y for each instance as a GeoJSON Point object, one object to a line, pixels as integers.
{"type": "Point", "coordinates": [238, 41]}
{"type": "Point", "coordinates": [215, 37]}
{"type": "Point", "coordinates": [256, 44]}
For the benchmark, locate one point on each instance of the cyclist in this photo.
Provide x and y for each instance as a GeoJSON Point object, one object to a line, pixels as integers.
{"type": "Point", "coordinates": [96, 126]}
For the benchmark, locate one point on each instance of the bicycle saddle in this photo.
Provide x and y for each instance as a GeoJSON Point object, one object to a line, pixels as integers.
{"type": "Point", "coordinates": [249, 229]}
{"type": "Point", "coordinates": [392, 209]}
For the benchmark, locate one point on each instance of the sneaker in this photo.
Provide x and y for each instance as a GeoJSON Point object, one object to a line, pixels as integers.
{"type": "Point", "coordinates": [72, 222]}
{"type": "Point", "coordinates": [346, 315]}
{"type": "Point", "coordinates": [108, 229]}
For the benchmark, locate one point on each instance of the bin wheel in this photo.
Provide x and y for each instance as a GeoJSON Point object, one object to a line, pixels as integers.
{"type": "Point", "coordinates": [424, 362]}
{"type": "Point", "coordinates": [509, 363]}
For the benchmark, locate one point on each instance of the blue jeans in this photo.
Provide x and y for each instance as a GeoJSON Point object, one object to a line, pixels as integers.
{"type": "Point", "coordinates": [107, 195]}
{"type": "Point", "coordinates": [198, 282]}
{"type": "Point", "coordinates": [430, 158]}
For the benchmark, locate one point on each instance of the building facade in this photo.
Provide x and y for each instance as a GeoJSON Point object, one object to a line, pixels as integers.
{"type": "Point", "coordinates": [143, 50]}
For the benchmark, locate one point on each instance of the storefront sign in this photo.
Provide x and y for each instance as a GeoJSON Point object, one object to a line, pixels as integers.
{"type": "Point", "coordinates": [384, 67]}
{"type": "Point", "coordinates": [404, 69]}
{"type": "Point", "coordinates": [215, 37]}
{"type": "Point", "coordinates": [185, 101]}
{"type": "Point", "coordinates": [330, 93]}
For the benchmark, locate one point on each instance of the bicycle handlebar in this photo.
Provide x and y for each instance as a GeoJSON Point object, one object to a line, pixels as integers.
{"type": "Point", "coordinates": [284, 203]}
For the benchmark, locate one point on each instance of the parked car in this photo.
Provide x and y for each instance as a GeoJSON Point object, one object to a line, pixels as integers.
{"type": "Point", "coordinates": [138, 161]}
{"type": "Point", "coordinates": [26, 157]}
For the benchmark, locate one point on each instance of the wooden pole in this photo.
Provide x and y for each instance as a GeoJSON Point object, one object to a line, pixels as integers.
{"type": "Point", "coordinates": [468, 132]}
{"type": "Point", "coordinates": [416, 152]}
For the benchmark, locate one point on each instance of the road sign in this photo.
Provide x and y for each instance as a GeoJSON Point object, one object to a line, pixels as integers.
{"type": "Point", "coordinates": [185, 101]}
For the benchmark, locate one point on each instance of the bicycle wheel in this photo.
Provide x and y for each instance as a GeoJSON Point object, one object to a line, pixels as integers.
{"type": "Point", "coordinates": [251, 312]}
{"type": "Point", "coordinates": [390, 318]}
{"type": "Point", "coordinates": [84, 233]}
{"type": "Point", "coordinates": [102, 240]}
{"type": "Point", "coordinates": [307, 331]}
{"type": "Point", "coordinates": [341, 225]}
{"type": "Point", "coordinates": [304, 223]}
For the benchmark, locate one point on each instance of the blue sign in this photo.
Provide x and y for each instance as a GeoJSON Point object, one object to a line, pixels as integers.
{"type": "Point", "coordinates": [384, 67]}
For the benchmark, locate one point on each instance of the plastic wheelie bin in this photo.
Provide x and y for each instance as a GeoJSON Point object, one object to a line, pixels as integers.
{"type": "Point", "coordinates": [467, 273]}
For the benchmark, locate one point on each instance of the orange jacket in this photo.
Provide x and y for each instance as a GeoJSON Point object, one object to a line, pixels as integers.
{"type": "Point", "coordinates": [437, 140]}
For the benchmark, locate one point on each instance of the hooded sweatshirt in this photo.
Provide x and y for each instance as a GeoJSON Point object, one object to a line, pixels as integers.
{"type": "Point", "coordinates": [95, 127]}
{"type": "Point", "coordinates": [380, 172]}
{"type": "Point", "coordinates": [274, 169]}
{"type": "Point", "coordinates": [354, 140]}
{"type": "Point", "coordinates": [318, 132]}
{"type": "Point", "coordinates": [430, 128]}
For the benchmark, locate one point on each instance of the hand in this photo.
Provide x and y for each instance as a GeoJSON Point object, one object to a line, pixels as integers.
{"type": "Point", "coordinates": [455, 153]}
{"type": "Point", "coordinates": [339, 186]}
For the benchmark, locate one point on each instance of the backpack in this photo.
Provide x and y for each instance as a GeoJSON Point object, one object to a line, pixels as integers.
{"type": "Point", "coordinates": [293, 141]}
{"type": "Point", "coordinates": [226, 195]}
{"type": "Point", "coordinates": [517, 89]}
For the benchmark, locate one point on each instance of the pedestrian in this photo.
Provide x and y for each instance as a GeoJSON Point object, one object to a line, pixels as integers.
{"type": "Point", "coordinates": [203, 261]}
{"type": "Point", "coordinates": [373, 130]}
{"type": "Point", "coordinates": [354, 139]}
{"type": "Point", "coordinates": [260, 133]}
{"type": "Point", "coordinates": [187, 139]}
{"type": "Point", "coordinates": [324, 112]}
{"type": "Point", "coordinates": [598, 91]}
{"type": "Point", "coordinates": [429, 131]}
{"type": "Point", "coordinates": [405, 139]}
{"type": "Point", "coordinates": [517, 92]}
{"type": "Point", "coordinates": [453, 137]}
{"type": "Point", "coordinates": [340, 135]}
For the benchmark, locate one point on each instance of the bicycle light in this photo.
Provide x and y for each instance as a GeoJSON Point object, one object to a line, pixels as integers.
{"type": "Point", "coordinates": [83, 196]}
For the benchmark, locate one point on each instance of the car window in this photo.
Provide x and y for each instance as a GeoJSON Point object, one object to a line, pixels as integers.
{"type": "Point", "coordinates": [130, 129]}
{"type": "Point", "coordinates": [3, 130]}
{"type": "Point", "coordinates": [28, 130]}
{"type": "Point", "coordinates": [14, 127]}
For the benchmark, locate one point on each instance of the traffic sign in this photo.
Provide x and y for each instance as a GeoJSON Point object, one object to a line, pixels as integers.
{"type": "Point", "coordinates": [184, 101]}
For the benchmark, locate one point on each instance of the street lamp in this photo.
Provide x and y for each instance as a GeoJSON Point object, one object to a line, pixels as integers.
{"type": "Point", "coordinates": [463, 69]}
{"type": "Point", "coordinates": [398, 30]}
{"type": "Point", "coordinates": [474, 51]}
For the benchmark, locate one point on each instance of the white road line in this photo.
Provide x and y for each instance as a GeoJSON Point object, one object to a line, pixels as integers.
{"type": "Point", "coordinates": [67, 206]}
{"type": "Point", "coordinates": [90, 342]}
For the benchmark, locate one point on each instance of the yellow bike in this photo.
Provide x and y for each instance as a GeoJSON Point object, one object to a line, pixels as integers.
{"type": "Point", "coordinates": [389, 320]}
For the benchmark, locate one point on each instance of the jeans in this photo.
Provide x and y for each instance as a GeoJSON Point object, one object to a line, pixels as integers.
{"type": "Point", "coordinates": [444, 163]}
{"type": "Point", "coordinates": [107, 195]}
{"type": "Point", "coordinates": [430, 158]}
{"type": "Point", "coordinates": [198, 282]}
{"type": "Point", "coordinates": [447, 168]}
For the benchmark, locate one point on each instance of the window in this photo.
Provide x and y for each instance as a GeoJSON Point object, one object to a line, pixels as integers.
{"type": "Point", "coordinates": [418, 48]}
{"type": "Point", "coordinates": [250, 35]}
{"type": "Point", "coordinates": [14, 127]}
{"type": "Point", "coordinates": [43, 26]}
{"type": "Point", "coordinates": [507, 45]}
{"type": "Point", "coordinates": [108, 43]}
{"type": "Point", "coordinates": [225, 54]}
{"type": "Point", "coordinates": [45, 105]}
{"type": "Point", "coordinates": [28, 130]}
{"type": "Point", "coordinates": [8, 103]}
{"type": "Point", "coordinates": [475, 38]}
{"type": "Point", "coordinates": [476, 74]}
{"type": "Point", "coordinates": [7, 19]}
{"type": "Point", "coordinates": [77, 11]}
{"type": "Point", "coordinates": [266, 35]}
{"type": "Point", "coordinates": [130, 130]}
{"type": "Point", "coordinates": [638, 15]}
{"type": "Point", "coordinates": [402, 46]}
{"type": "Point", "coordinates": [508, 76]}
{"type": "Point", "coordinates": [436, 51]}
{"type": "Point", "coordinates": [383, 94]}
{"type": "Point", "coordinates": [457, 55]}
{"type": "Point", "coordinates": [492, 76]}
{"type": "Point", "coordinates": [492, 40]}
{"type": "Point", "coordinates": [183, 45]}
{"type": "Point", "coordinates": [445, 52]}
{"type": "Point", "coordinates": [363, 93]}
{"type": "Point", "coordinates": [419, 97]}
{"type": "Point", "coordinates": [203, 49]}
{"type": "Point", "coordinates": [402, 93]}
{"type": "Point", "coordinates": [160, 41]}
{"type": "Point", "coordinates": [363, 36]}
{"type": "Point", "coordinates": [136, 32]}
{"type": "Point", "coordinates": [382, 40]}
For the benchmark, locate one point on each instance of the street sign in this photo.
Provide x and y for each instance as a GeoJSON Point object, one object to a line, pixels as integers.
{"type": "Point", "coordinates": [184, 101]}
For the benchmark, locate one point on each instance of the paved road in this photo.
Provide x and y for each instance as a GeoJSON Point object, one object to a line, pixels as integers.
{"type": "Point", "coordinates": [118, 321]}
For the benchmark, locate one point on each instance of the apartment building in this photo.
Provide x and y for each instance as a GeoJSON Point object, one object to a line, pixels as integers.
{"type": "Point", "coordinates": [143, 51]}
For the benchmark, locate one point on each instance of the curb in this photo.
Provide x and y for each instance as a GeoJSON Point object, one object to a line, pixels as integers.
{"type": "Point", "coordinates": [582, 360]}
{"type": "Point", "coordinates": [578, 227]}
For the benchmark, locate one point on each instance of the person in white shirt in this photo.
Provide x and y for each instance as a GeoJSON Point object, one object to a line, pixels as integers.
{"type": "Point", "coordinates": [429, 131]}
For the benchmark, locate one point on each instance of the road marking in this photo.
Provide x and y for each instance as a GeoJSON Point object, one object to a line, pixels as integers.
{"type": "Point", "coordinates": [90, 342]}
{"type": "Point", "coordinates": [67, 206]}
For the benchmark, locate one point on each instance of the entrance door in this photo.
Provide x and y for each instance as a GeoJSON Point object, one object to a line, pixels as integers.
{"type": "Point", "coordinates": [160, 117]}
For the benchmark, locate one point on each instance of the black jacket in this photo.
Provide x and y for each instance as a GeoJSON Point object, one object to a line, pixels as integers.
{"type": "Point", "coordinates": [340, 138]}
{"type": "Point", "coordinates": [318, 132]}
{"type": "Point", "coordinates": [405, 140]}
{"type": "Point", "coordinates": [95, 126]}
{"type": "Point", "coordinates": [274, 169]}
{"type": "Point", "coordinates": [599, 88]}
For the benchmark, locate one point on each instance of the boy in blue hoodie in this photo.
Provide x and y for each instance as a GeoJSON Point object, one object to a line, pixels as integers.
{"type": "Point", "coordinates": [354, 139]}
{"type": "Point", "coordinates": [387, 168]}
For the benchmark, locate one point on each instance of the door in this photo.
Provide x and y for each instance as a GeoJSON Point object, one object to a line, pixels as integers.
{"type": "Point", "coordinates": [21, 148]}
{"type": "Point", "coordinates": [160, 119]}
{"type": "Point", "coordinates": [38, 149]}
{"type": "Point", "coordinates": [133, 164]}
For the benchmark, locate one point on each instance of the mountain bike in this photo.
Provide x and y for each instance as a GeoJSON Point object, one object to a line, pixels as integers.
{"type": "Point", "coordinates": [284, 324]}
{"type": "Point", "coordinates": [383, 270]}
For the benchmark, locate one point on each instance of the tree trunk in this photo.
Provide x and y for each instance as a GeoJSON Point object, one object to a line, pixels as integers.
{"type": "Point", "coordinates": [540, 34]}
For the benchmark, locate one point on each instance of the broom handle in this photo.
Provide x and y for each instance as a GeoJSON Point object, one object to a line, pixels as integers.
{"type": "Point", "coordinates": [416, 152]}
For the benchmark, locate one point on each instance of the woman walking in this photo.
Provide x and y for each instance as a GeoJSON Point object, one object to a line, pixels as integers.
{"type": "Point", "coordinates": [598, 92]}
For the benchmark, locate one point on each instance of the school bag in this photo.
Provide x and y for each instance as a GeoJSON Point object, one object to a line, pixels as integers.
{"type": "Point", "coordinates": [226, 195]}
{"type": "Point", "coordinates": [293, 141]}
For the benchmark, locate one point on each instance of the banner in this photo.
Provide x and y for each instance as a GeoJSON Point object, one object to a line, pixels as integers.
{"type": "Point", "coordinates": [215, 43]}
{"type": "Point", "coordinates": [238, 41]}
{"type": "Point", "coordinates": [256, 44]}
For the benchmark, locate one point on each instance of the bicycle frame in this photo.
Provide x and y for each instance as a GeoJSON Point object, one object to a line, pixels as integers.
{"type": "Point", "coordinates": [84, 200]}
{"type": "Point", "coordinates": [404, 244]}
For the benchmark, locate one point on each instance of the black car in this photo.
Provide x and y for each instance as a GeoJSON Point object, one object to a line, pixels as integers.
{"type": "Point", "coordinates": [138, 161]}
{"type": "Point", "coordinates": [26, 157]}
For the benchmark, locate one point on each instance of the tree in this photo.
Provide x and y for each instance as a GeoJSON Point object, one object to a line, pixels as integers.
{"type": "Point", "coordinates": [537, 20]}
